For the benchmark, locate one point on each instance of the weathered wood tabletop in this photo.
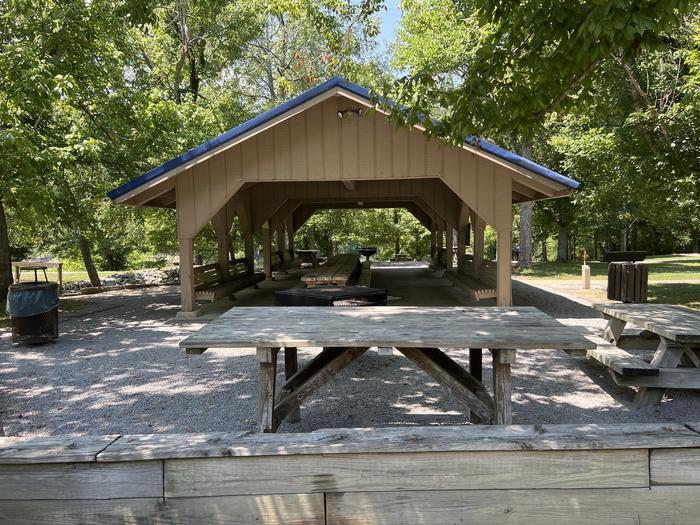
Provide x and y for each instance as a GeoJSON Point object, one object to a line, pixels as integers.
{"type": "Point", "coordinates": [338, 270]}
{"type": "Point", "coordinates": [678, 329]}
{"type": "Point", "coordinates": [521, 328]}
{"type": "Point", "coordinates": [423, 334]}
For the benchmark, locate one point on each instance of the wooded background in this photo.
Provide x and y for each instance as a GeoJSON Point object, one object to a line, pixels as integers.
{"type": "Point", "coordinates": [96, 93]}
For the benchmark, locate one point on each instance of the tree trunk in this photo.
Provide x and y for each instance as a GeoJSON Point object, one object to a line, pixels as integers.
{"type": "Point", "coordinates": [696, 244]}
{"type": "Point", "coordinates": [623, 238]}
{"type": "Point", "coordinates": [397, 240]}
{"type": "Point", "coordinates": [562, 240]}
{"type": "Point", "coordinates": [545, 256]}
{"type": "Point", "coordinates": [5, 266]}
{"type": "Point", "coordinates": [595, 246]}
{"type": "Point", "coordinates": [525, 252]}
{"type": "Point", "coordinates": [87, 260]}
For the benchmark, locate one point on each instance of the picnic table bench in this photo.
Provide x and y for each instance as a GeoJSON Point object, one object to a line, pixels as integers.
{"type": "Point", "coordinates": [211, 284]}
{"type": "Point", "coordinates": [425, 335]}
{"type": "Point", "coordinates": [341, 269]}
{"type": "Point", "coordinates": [678, 330]}
{"type": "Point", "coordinates": [481, 287]}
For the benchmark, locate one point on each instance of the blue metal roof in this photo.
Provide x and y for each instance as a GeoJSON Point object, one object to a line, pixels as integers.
{"type": "Point", "coordinates": [301, 99]}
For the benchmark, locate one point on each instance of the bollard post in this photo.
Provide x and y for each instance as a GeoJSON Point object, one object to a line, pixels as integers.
{"type": "Point", "coordinates": [585, 272]}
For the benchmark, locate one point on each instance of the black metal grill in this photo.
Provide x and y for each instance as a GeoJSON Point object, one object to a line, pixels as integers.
{"type": "Point", "coordinates": [332, 296]}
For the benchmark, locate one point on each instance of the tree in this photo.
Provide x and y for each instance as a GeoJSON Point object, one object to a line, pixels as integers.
{"type": "Point", "coordinates": [605, 93]}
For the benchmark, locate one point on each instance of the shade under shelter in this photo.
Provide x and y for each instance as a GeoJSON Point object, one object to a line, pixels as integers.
{"type": "Point", "coordinates": [330, 147]}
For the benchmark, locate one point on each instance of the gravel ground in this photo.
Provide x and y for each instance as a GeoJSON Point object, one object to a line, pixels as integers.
{"type": "Point", "coordinates": [117, 369]}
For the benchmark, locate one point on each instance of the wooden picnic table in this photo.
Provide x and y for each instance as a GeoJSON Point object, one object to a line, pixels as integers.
{"type": "Point", "coordinates": [309, 256]}
{"type": "Point", "coordinates": [425, 335]}
{"type": "Point", "coordinates": [678, 329]}
{"type": "Point", "coordinates": [341, 270]}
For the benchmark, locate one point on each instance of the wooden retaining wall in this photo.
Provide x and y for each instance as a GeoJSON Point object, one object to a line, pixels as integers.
{"type": "Point", "coordinates": [551, 474]}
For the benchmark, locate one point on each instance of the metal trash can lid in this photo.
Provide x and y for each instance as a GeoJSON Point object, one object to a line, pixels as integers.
{"type": "Point", "coordinates": [32, 287]}
{"type": "Point", "coordinates": [28, 299]}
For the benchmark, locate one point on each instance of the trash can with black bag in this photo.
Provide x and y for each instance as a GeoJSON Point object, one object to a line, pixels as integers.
{"type": "Point", "coordinates": [33, 308]}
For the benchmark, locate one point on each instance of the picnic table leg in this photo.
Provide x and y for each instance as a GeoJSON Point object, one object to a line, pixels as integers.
{"type": "Point", "coordinates": [667, 355]}
{"type": "Point", "coordinates": [502, 385]}
{"type": "Point", "coordinates": [613, 329]}
{"type": "Point", "coordinates": [475, 360]}
{"type": "Point", "coordinates": [692, 354]}
{"type": "Point", "coordinates": [476, 370]}
{"type": "Point", "coordinates": [290, 368]}
{"type": "Point", "coordinates": [267, 357]}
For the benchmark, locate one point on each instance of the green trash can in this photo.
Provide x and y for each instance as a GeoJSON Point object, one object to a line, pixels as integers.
{"type": "Point", "coordinates": [33, 309]}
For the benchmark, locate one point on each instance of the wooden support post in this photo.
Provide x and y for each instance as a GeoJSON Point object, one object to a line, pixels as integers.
{"type": "Point", "coordinates": [613, 330]}
{"type": "Point", "coordinates": [461, 246]}
{"type": "Point", "coordinates": [449, 244]}
{"type": "Point", "coordinates": [503, 385]}
{"type": "Point", "coordinates": [504, 249]}
{"type": "Point", "coordinates": [267, 357]}
{"type": "Point", "coordinates": [478, 226]}
{"type": "Point", "coordinates": [440, 240]}
{"type": "Point", "coordinates": [433, 240]}
{"type": "Point", "coordinates": [187, 275]}
{"type": "Point", "coordinates": [267, 249]}
{"type": "Point", "coordinates": [667, 355]}
{"type": "Point", "coordinates": [291, 366]}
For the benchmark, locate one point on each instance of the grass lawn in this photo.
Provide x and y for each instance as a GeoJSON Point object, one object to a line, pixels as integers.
{"type": "Point", "coordinates": [68, 276]}
{"type": "Point", "coordinates": [661, 268]}
{"type": "Point", "coordinates": [683, 294]}
{"type": "Point", "coordinates": [684, 269]}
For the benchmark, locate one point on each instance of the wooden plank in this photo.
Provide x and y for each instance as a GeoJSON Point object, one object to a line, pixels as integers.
{"type": "Point", "coordinates": [622, 362]}
{"type": "Point", "coordinates": [677, 505]}
{"type": "Point", "coordinates": [676, 323]}
{"type": "Point", "coordinates": [142, 447]}
{"type": "Point", "coordinates": [54, 449]}
{"type": "Point", "coordinates": [457, 380]}
{"type": "Point", "coordinates": [136, 511]}
{"type": "Point", "coordinates": [278, 509]}
{"type": "Point", "coordinates": [397, 471]}
{"type": "Point", "coordinates": [388, 326]}
{"type": "Point", "coordinates": [142, 479]}
{"type": "Point", "coordinates": [675, 466]}
{"type": "Point", "coordinates": [267, 357]}
{"type": "Point", "coordinates": [405, 439]}
{"type": "Point", "coordinates": [675, 378]}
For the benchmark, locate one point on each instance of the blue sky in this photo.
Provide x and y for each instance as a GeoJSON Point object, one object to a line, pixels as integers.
{"type": "Point", "coordinates": [390, 21]}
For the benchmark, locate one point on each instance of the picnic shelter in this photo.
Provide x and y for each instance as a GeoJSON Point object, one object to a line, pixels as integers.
{"type": "Point", "coordinates": [333, 147]}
